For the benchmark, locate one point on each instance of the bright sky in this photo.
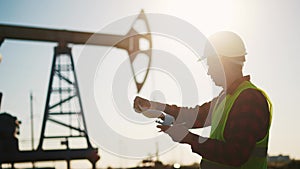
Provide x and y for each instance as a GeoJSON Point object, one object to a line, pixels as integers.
{"type": "Point", "coordinates": [269, 28]}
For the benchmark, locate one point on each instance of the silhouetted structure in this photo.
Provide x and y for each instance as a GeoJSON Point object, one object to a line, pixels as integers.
{"type": "Point", "coordinates": [63, 99]}
{"type": "Point", "coordinates": [9, 128]}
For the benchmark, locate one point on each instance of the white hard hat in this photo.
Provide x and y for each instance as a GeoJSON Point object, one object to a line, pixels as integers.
{"type": "Point", "coordinates": [225, 44]}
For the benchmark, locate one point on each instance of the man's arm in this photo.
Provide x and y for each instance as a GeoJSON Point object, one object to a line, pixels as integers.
{"type": "Point", "coordinates": [247, 123]}
{"type": "Point", "coordinates": [195, 117]}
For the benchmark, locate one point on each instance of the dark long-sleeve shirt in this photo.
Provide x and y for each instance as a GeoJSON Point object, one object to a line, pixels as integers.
{"type": "Point", "coordinates": [247, 123]}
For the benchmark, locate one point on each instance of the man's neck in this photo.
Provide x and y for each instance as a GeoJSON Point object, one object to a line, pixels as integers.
{"type": "Point", "coordinates": [231, 79]}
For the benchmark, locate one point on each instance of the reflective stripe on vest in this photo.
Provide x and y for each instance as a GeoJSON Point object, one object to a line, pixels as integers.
{"type": "Point", "coordinates": [258, 158]}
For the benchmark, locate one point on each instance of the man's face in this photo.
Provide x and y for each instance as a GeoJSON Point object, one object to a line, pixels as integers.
{"type": "Point", "coordinates": [216, 70]}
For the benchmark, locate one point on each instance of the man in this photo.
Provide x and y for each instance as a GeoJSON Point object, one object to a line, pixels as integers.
{"type": "Point", "coordinates": [240, 117]}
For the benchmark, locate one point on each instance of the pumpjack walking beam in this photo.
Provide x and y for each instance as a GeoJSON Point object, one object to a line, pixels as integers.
{"type": "Point", "coordinates": [129, 42]}
{"type": "Point", "coordinates": [66, 36]}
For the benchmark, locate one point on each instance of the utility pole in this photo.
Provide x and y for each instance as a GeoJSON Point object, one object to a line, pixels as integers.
{"type": "Point", "coordinates": [32, 126]}
{"type": "Point", "coordinates": [157, 151]}
{"type": "Point", "coordinates": [0, 99]}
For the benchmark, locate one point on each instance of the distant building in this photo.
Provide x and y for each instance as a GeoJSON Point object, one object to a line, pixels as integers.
{"type": "Point", "coordinates": [278, 161]}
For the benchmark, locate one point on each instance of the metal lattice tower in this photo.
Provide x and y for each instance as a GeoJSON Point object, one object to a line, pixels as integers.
{"type": "Point", "coordinates": [63, 108]}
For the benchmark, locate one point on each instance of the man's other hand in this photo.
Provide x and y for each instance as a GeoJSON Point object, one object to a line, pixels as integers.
{"type": "Point", "coordinates": [178, 132]}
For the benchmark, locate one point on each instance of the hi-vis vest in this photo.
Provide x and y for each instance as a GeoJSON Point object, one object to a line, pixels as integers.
{"type": "Point", "coordinates": [258, 158]}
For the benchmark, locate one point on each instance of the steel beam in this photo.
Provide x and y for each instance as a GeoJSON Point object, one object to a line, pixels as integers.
{"type": "Point", "coordinates": [50, 155]}
{"type": "Point", "coordinates": [66, 36]}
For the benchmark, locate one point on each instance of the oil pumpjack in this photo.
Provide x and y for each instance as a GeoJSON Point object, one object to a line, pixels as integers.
{"type": "Point", "coordinates": [63, 85]}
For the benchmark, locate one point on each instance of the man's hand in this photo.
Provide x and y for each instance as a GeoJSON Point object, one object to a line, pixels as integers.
{"type": "Point", "coordinates": [141, 104]}
{"type": "Point", "coordinates": [178, 132]}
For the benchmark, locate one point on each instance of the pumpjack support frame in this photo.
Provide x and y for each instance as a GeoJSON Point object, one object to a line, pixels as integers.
{"type": "Point", "coordinates": [72, 93]}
